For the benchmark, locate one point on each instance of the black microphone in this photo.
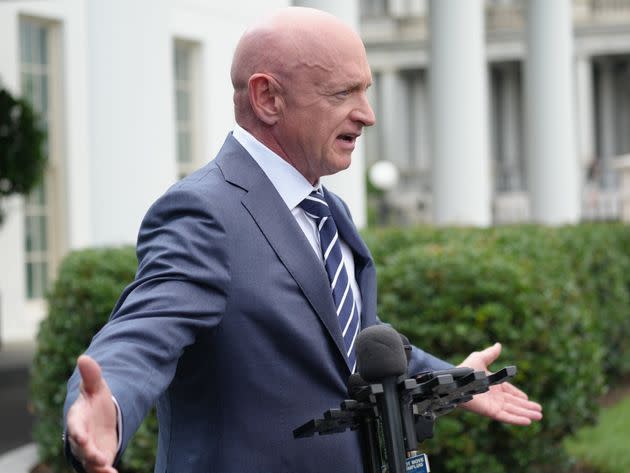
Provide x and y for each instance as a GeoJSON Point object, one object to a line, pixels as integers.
{"type": "Point", "coordinates": [406, 411]}
{"type": "Point", "coordinates": [381, 359]}
{"type": "Point", "coordinates": [368, 429]}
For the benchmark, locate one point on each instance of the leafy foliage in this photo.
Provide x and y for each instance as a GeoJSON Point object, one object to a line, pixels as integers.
{"type": "Point", "coordinates": [600, 259]}
{"type": "Point", "coordinates": [555, 298]}
{"type": "Point", "coordinates": [84, 294]}
{"type": "Point", "coordinates": [22, 156]}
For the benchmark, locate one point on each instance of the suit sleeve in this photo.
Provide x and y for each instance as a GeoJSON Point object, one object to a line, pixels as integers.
{"type": "Point", "coordinates": [180, 290]}
{"type": "Point", "coordinates": [423, 361]}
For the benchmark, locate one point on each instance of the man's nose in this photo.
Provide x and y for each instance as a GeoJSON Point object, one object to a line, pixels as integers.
{"type": "Point", "coordinates": [364, 112]}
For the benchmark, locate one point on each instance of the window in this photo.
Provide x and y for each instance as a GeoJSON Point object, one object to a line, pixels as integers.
{"type": "Point", "coordinates": [41, 243]}
{"type": "Point", "coordinates": [186, 100]}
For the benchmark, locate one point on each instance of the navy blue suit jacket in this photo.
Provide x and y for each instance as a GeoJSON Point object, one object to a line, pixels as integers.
{"type": "Point", "coordinates": [230, 327]}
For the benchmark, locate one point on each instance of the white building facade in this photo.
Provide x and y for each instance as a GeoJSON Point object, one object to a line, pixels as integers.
{"type": "Point", "coordinates": [134, 95]}
{"type": "Point", "coordinates": [500, 111]}
{"type": "Point", "coordinates": [137, 94]}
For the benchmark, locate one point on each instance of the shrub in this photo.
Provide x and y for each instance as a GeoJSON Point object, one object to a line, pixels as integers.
{"type": "Point", "coordinates": [554, 297]}
{"type": "Point", "coordinates": [601, 262]}
{"type": "Point", "coordinates": [22, 138]}
{"type": "Point", "coordinates": [87, 287]}
{"type": "Point", "coordinates": [459, 290]}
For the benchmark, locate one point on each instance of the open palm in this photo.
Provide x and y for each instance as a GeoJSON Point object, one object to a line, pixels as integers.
{"type": "Point", "coordinates": [503, 402]}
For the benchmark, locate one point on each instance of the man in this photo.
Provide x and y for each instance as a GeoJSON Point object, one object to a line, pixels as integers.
{"type": "Point", "coordinates": [230, 325]}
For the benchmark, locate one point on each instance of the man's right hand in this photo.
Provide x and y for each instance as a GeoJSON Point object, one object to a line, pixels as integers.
{"type": "Point", "coordinates": [91, 421]}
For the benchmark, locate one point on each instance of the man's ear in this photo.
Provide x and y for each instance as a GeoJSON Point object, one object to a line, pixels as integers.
{"type": "Point", "coordinates": [264, 97]}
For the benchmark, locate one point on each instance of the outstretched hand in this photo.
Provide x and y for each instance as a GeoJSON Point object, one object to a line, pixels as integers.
{"type": "Point", "coordinates": [91, 421]}
{"type": "Point", "coordinates": [503, 402]}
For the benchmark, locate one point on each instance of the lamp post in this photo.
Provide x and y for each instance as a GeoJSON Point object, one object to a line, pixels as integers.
{"type": "Point", "coordinates": [384, 176]}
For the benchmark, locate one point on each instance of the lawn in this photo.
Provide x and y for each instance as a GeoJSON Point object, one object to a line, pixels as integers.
{"type": "Point", "coordinates": [606, 446]}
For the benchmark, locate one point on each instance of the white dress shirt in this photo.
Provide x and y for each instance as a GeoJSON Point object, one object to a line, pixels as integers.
{"type": "Point", "coordinates": [293, 188]}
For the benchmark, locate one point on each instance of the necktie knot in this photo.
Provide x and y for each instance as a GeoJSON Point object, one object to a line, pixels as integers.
{"type": "Point", "coordinates": [315, 206]}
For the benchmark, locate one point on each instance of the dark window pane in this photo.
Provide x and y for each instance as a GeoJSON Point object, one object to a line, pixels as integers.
{"type": "Point", "coordinates": [42, 236]}
{"type": "Point", "coordinates": [29, 231]}
{"type": "Point", "coordinates": [43, 279]}
{"type": "Point", "coordinates": [43, 95]}
{"type": "Point", "coordinates": [28, 87]}
{"type": "Point", "coordinates": [182, 62]}
{"type": "Point", "coordinates": [26, 47]}
{"type": "Point", "coordinates": [183, 105]}
{"type": "Point", "coordinates": [42, 44]}
{"type": "Point", "coordinates": [30, 292]}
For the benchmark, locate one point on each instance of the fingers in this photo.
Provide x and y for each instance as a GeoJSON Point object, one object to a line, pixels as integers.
{"type": "Point", "coordinates": [490, 354]}
{"type": "Point", "coordinates": [77, 427]}
{"type": "Point", "coordinates": [91, 420]}
{"type": "Point", "coordinates": [86, 452]}
{"type": "Point", "coordinates": [520, 415]}
{"type": "Point", "coordinates": [89, 455]}
{"type": "Point", "coordinates": [519, 410]}
{"type": "Point", "coordinates": [514, 419]}
{"type": "Point", "coordinates": [514, 391]}
{"type": "Point", "coordinates": [90, 374]}
{"type": "Point", "coordinates": [516, 397]}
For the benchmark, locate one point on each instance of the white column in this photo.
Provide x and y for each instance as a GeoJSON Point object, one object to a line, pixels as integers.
{"type": "Point", "coordinates": [459, 115]}
{"type": "Point", "coordinates": [393, 118]}
{"type": "Point", "coordinates": [130, 113]}
{"type": "Point", "coordinates": [553, 171]}
{"type": "Point", "coordinates": [349, 184]}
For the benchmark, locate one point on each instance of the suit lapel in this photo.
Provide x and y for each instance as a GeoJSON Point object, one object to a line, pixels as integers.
{"type": "Point", "coordinates": [284, 235]}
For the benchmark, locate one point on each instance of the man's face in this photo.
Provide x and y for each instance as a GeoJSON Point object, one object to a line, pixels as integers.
{"type": "Point", "coordinates": [325, 110]}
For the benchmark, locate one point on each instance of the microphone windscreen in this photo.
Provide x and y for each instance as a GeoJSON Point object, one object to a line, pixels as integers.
{"type": "Point", "coordinates": [380, 353]}
{"type": "Point", "coordinates": [355, 383]}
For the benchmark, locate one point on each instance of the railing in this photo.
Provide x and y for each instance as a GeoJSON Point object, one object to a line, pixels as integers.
{"type": "Point", "coordinates": [510, 207]}
{"type": "Point", "coordinates": [505, 16]}
{"type": "Point", "coordinates": [612, 8]}
{"type": "Point", "coordinates": [501, 15]}
{"type": "Point", "coordinates": [597, 205]}
{"type": "Point", "coordinates": [507, 207]}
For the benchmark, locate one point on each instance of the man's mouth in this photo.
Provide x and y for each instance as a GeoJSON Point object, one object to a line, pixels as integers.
{"type": "Point", "coordinates": [348, 138]}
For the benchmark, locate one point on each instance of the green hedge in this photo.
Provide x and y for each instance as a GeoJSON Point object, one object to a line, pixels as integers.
{"type": "Point", "coordinates": [600, 259]}
{"type": "Point", "coordinates": [87, 287]}
{"type": "Point", "coordinates": [555, 298]}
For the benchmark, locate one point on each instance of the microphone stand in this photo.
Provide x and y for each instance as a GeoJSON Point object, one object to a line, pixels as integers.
{"type": "Point", "coordinates": [428, 396]}
{"type": "Point", "coordinates": [389, 408]}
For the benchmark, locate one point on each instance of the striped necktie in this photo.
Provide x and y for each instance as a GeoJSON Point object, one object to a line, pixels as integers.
{"type": "Point", "coordinates": [347, 312]}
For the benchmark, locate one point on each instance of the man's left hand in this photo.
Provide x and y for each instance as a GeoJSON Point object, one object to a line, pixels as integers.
{"type": "Point", "coordinates": [503, 402]}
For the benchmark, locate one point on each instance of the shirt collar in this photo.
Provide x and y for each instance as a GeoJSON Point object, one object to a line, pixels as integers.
{"type": "Point", "coordinates": [290, 184]}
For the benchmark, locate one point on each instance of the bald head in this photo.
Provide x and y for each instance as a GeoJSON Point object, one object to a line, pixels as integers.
{"type": "Point", "coordinates": [291, 42]}
{"type": "Point", "coordinates": [300, 87]}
